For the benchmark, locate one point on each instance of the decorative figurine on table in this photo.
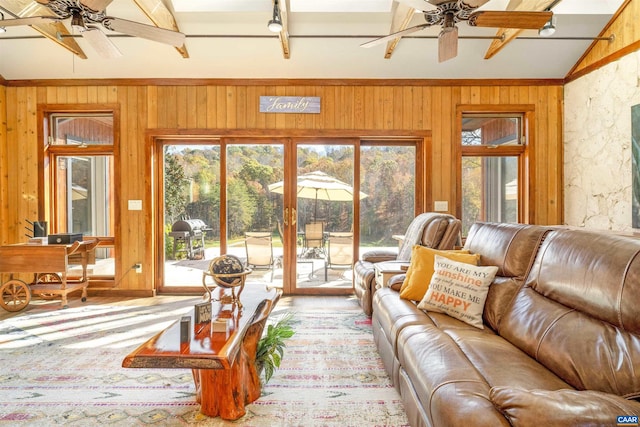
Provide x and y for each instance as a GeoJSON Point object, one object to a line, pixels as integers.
{"type": "Point", "coordinates": [227, 272]}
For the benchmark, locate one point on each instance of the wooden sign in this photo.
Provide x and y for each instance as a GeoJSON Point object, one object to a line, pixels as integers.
{"type": "Point", "coordinates": [290, 104]}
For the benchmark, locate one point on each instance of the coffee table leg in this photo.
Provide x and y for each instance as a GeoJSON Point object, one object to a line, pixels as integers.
{"type": "Point", "coordinates": [220, 393]}
{"type": "Point", "coordinates": [225, 392]}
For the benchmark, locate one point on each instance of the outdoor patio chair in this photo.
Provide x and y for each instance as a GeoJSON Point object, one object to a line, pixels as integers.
{"type": "Point", "coordinates": [431, 229]}
{"type": "Point", "coordinates": [339, 252]}
{"type": "Point", "coordinates": [259, 247]}
{"type": "Point", "coordinates": [313, 240]}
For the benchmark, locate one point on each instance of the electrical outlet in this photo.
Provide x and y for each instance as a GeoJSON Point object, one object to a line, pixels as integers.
{"type": "Point", "coordinates": [138, 267]}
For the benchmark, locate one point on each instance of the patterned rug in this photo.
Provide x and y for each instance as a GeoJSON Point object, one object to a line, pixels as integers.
{"type": "Point", "coordinates": [63, 367]}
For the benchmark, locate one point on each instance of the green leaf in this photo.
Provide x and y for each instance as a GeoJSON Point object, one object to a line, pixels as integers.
{"type": "Point", "coordinates": [276, 360]}
{"type": "Point", "coordinates": [270, 351]}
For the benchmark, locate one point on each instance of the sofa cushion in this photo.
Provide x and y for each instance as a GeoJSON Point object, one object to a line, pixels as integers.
{"type": "Point", "coordinates": [561, 408]}
{"type": "Point", "coordinates": [459, 290]}
{"type": "Point", "coordinates": [510, 247]}
{"type": "Point", "coordinates": [579, 310]}
{"type": "Point", "coordinates": [427, 229]}
{"type": "Point", "coordinates": [420, 271]}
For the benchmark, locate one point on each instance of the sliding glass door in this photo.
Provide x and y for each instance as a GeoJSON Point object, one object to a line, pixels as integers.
{"type": "Point", "coordinates": [214, 196]}
{"type": "Point", "coordinates": [295, 211]}
{"type": "Point", "coordinates": [326, 200]}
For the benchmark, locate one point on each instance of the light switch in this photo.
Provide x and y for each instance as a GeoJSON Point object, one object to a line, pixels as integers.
{"type": "Point", "coordinates": [440, 206]}
{"type": "Point", "coordinates": [135, 205]}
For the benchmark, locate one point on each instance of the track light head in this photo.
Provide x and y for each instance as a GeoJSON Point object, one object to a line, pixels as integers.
{"type": "Point", "coordinates": [275, 24]}
{"type": "Point", "coordinates": [548, 29]}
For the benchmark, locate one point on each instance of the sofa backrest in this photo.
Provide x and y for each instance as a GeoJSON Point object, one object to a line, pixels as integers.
{"type": "Point", "coordinates": [430, 229]}
{"type": "Point", "coordinates": [510, 247]}
{"type": "Point", "coordinates": [578, 311]}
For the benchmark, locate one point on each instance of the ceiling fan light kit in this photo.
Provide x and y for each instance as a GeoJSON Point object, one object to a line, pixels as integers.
{"type": "Point", "coordinates": [77, 23]}
{"type": "Point", "coordinates": [275, 24]}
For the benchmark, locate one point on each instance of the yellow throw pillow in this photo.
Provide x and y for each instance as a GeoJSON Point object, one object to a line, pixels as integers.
{"type": "Point", "coordinates": [421, 269]}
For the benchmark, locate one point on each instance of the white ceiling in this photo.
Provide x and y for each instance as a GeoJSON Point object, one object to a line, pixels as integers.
{"type": "Point", "coordinates": [229, 39]}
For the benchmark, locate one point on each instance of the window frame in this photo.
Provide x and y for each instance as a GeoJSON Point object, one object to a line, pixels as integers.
{"type": "Point", "coordinates": [49, 153]}
{"type": "Point", "coordinates": [523, 151]}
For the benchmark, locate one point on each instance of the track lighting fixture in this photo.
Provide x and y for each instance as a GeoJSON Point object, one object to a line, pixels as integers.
{"type": "Point", "coordinates": [275, 24]}
{"type": "Point", "coordinates": [549, 28]}
{"type": "Point", "coordinates": [2, 29]}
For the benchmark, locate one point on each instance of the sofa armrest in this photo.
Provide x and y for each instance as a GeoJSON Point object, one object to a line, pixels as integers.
{"type": "Point", "coordinates": [395, 282]}
{"type": "Point", "coordinates": [560, 408]}
{"type": "Point", "coordinates": [379, 255]}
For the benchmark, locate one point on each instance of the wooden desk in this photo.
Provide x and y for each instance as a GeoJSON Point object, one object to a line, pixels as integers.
{"type": "Point", "coordinates": [49, 265]}
{"type": "Point", "coordinates": [222, 363]}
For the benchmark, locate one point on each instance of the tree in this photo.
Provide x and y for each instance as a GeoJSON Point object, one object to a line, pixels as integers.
{"type": "Point", "coordinates": [176, 189]}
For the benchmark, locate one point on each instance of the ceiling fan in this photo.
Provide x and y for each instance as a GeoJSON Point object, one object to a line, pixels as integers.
{"type": "Point", "coordinates": [85, 14]}
{"type": "Point", "coordinates": [448, 13]}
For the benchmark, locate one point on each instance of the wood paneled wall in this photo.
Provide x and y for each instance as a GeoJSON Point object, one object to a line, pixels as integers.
{"type": "Point", "coordinates": [388, 108]}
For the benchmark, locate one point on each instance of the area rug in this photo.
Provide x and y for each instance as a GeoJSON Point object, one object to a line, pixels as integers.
{"type": "Point", "coordinates": [63, 367]}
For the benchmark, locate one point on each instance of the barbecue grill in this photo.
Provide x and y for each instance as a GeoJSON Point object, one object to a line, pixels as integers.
{"type": "Point", "coordinates": [191, 233]}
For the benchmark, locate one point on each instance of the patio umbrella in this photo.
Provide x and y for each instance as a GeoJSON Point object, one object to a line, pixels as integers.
{"type": "Point", "coordinates": [319, 186]}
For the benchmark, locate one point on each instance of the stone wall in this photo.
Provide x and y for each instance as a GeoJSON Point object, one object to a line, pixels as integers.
{"type": "Point", "coordinates": [597, 140]}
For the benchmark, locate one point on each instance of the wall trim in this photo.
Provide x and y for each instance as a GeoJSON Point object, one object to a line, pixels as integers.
{"type": "Point", "coordinates": [284, 82]}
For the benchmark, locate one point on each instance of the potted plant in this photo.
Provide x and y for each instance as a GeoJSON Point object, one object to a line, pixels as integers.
{"type": "Point", "coordinates": [271, 346]}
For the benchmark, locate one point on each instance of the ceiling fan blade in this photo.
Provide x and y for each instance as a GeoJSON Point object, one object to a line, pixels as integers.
{"type": "Point", "coordinates": [418, 4]}
{"type": "Point", "coordinates": [32, 20]}
{"type": "Point", "coordinates": [513, 19]}
{"type": "Point", "coordinates": [97, 5]}
{"type": "Point", "coordinates": [505, 35]}
{"type": "Point", "coordinates": [392, 36]}
{"type": "Point", "coordinates": [448, 44]}
{"type": "Point", "coordinates": [145, 31]}
{"type": "Point", "coordinates": [101, 43]}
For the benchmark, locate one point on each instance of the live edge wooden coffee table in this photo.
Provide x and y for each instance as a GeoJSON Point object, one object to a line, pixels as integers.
{"type": "Point", "coordinates": [222, 363]}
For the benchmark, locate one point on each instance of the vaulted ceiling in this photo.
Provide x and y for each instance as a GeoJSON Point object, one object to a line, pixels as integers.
{"type": "Point", "coordinates": [230, 39]}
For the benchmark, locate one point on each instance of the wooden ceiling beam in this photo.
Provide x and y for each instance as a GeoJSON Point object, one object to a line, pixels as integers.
{"type": "Point", "coordinates": [506, 35]}
{"type": "Point", "coordinates": [162, 17]}
{"type": "Point", "coordinates": [283, 35]}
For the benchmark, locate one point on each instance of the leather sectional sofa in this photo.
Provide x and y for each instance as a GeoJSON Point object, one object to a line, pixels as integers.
{"type": "Point", "coordinates": [560, 344]}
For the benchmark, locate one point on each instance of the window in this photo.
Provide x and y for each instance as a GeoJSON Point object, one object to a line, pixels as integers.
{"type": "Point", "coordinates": [78, 179]}
{"type": "Point", "coordinates": [81, 129]}
{"type": "Point", "coordinates": [493, 148]}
